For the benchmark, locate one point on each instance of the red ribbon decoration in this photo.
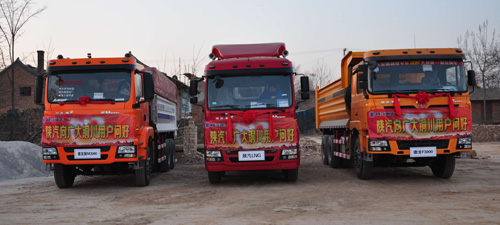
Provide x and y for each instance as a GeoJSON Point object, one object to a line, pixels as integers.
{"type": "Point", "coordinates": [248, 116]}
{"type": "Point", "coordinates": [85, 100]}
{"type": "Point", "coordinates": [423, 98]}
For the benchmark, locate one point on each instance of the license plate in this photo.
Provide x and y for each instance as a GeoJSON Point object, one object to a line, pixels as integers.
{"type": "Point", "coordinates": [88, 153]}
{"type": "Point", "coordinates": [251, 156]}
{"type": "Point", "coordinates": [423, 152]}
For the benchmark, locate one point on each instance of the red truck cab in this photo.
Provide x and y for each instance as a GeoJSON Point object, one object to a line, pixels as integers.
{"type": "Point", "coordinates": [250, 121]}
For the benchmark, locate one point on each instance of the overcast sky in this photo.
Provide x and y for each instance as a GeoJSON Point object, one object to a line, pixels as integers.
{"type": "Point", "coordinates": [315, 32]}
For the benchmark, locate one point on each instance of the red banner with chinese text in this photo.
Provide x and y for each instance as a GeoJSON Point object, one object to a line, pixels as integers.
{"type": "Point", "coordinates": [254, 135]}
{"type": "Point", "coordinates": [90, 130]}
{"type": "Point", "coordinates": [416, 124]}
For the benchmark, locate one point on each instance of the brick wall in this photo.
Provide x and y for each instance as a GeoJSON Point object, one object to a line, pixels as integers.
{"type": "Point", "coordinates": [485, 133]}
{"type": "Point", "coordinates": [23, 78]}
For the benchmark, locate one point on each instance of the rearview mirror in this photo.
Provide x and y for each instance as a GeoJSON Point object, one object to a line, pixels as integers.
{"type": "Point", "coordinates": [148, 87]}
{"type": "Point", "coordinates": [39, 90]}
{"type": "Point", "coordinates": [471, 78]}
{"type": "Point", "coordinates": [193, 87]}
{"type": "Point", "coordinates": [362, 76]}
{"type": "Point", "coordinates": [304, 84]}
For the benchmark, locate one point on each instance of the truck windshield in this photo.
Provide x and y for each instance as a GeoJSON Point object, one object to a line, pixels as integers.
{"type": "Point", "coordinates": [98, 86]}
{"type": "Point", "coordinates": [249, 92]}
{"type": "Point", "coordinates": [415, 76]}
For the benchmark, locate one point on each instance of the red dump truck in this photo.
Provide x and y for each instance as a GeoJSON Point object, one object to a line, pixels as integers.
{"type": "Point", "coordinates": [407, 107]}
{"type": "Point", "coordinates": [106, 116]}
{"type": "Point", "coordinates": [250, 121]}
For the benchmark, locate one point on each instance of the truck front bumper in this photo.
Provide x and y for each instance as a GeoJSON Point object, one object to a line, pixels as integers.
{"type": "Point", "coordinates": [273, 161]}
{"type": "Point", "coordinates": [66, 156]}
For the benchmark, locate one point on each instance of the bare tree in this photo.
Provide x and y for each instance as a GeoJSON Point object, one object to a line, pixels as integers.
{"type": "Point", "coordinates": [482, 50]}
{"type": "Point", "coordinates": [14, 15]}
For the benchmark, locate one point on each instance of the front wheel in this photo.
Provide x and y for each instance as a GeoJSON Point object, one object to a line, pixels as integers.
{"type": "Point", "coordinates": [214, 177]}
{"type": "Point", "coordinates": [143, 175]}
{"type": "Point", "coordinates": [291, 175]}
{"type": "Point", "coordinates": [64, 175]}
{"type": "Point", "coordinates": [443, 166]}
{"type": "Point", "coordinates": [364, 169]}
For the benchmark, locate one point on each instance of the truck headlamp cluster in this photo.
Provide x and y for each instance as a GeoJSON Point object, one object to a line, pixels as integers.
{"type": "Point", "coordinates": [464, 143]}
{"type": "Point", "coordinates": [49, 153]}
{"type": "Point", "coordinates": [289, 154]}
{"type": "Point", "coordinates": [214, 156]}
{"type": "Point", "coordinates": [126, 152]}
{"type": "Point", "coordinates": [379, 146]}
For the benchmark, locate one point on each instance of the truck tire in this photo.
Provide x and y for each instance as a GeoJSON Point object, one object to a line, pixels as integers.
{"type": "Point", "coordinates": [164, 165]}
{"type": "Point", "coordinates": [335, 162]}
{"type": "Point", "coordinates": [143, 175]}
{"type": "Point", "coordinates": [364, 169]}
{"type": "Point", "coordinates": [324, 157]}
{"type": "Point", "coordinates": [443, 166]}
{"type": "Point", "coordinates": [214, 177]}
{"type": "Point", "coordinates": [171, 156]}
{"type": "Point", "coordinates": [291, 175]}
{"type": "Point", "coordinates": [64, 175]}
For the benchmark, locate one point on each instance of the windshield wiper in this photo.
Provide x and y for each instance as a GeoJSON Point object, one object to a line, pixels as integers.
{"type": "Point", "coordinates": [221, 106]}
{"type": "Point", "coordinates": [103, 100]}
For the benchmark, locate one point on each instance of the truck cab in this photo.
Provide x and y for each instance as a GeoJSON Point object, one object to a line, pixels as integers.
{"type": "Point", "coordinates": [106, 116]}
{"type": "Point", "coordinates": [250, 120]}
{"type": "Point", "coordinates": [402, 107]}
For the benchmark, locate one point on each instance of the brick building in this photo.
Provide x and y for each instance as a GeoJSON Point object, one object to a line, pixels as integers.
{"type": "Point", "coordinates": [27, 116]}
{"type": "Point", "coordinates": [24, 90]}
{"type": "Point", "coordinates": [492, 106]}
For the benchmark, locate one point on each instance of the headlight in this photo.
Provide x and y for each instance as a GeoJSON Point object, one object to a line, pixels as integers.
{"type": "Point", "coordinates": [378, 143]}
{"type": "Point", "coordinates": [289, 152]}
{"type": "Point", "coordinates": [126, 150]}
{"type": "Point", "coordinates": [465, 141]}
{"type": "Point", "coordinates": [49, 151]}
{"type": "Point", "coordinates": [214, 154]}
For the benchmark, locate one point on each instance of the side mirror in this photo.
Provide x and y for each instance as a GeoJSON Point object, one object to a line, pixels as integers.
{"type": "Point", "coordinates": [304, 84]}
{"type": "Point", "coordinates": [362, 76]}
{"type": "Point", "coordinates": [193, 100]}
{"type": "Point", "coordinates": [193, 87]}
{"type": "Point", "coordinates": [38, 90]}
{"type": "Point", "coordinates": [304, 95]}
{"type": "Point", "coordinates": [471, 78]}
{"type": "Point", "coordinates": [148, 87]}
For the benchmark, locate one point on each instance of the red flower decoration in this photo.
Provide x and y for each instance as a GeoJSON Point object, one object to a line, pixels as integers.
{"type": "Point", "coordinates": [84, 100]}
{"type": "Point", "coordinates": [249, 116]}
{"type": "Point", "coordinates": [422, 98]}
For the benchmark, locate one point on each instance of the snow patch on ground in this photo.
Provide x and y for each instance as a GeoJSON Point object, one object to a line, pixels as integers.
{"type": "Point", "coordinates": [19, 159]}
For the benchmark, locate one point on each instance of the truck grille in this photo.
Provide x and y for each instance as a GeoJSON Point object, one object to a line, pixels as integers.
{"type": "Point", "coordinates": [72, 158]}
{"type": "Point", "coordinates": [236, 152]}
{"type": "Point", "coordinates": [72, 149]}
{"type": "Point", "coordinates": [235, 159]}
{"type": "Point", "coordinates": [422, 143]}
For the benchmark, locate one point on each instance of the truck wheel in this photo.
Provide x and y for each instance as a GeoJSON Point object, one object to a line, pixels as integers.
{"type": "Point", "coordinates": [364, 169]}
{"type": "Point", "coordinates": [335, 162]}
{"type": "Point", "coordinates": [214, 177]}
{"type": "Point", "coordinates": [164, 165]}
{"type": "Point", "coordinates": [324, 157]}
{"type": "Point", "coordinates": [64, 175]}
{"type": "Point", "coordinates": [143, 175]}
{"type": "Point", "coordinates": [291, 175]}
{"type": "Point", "coordinates": [171, 156]}
{"type": "Point", "coordinates": [443, 166]}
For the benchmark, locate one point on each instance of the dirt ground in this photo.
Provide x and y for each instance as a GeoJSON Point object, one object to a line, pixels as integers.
{"type": "Point", "coordinates": [321, 195]}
